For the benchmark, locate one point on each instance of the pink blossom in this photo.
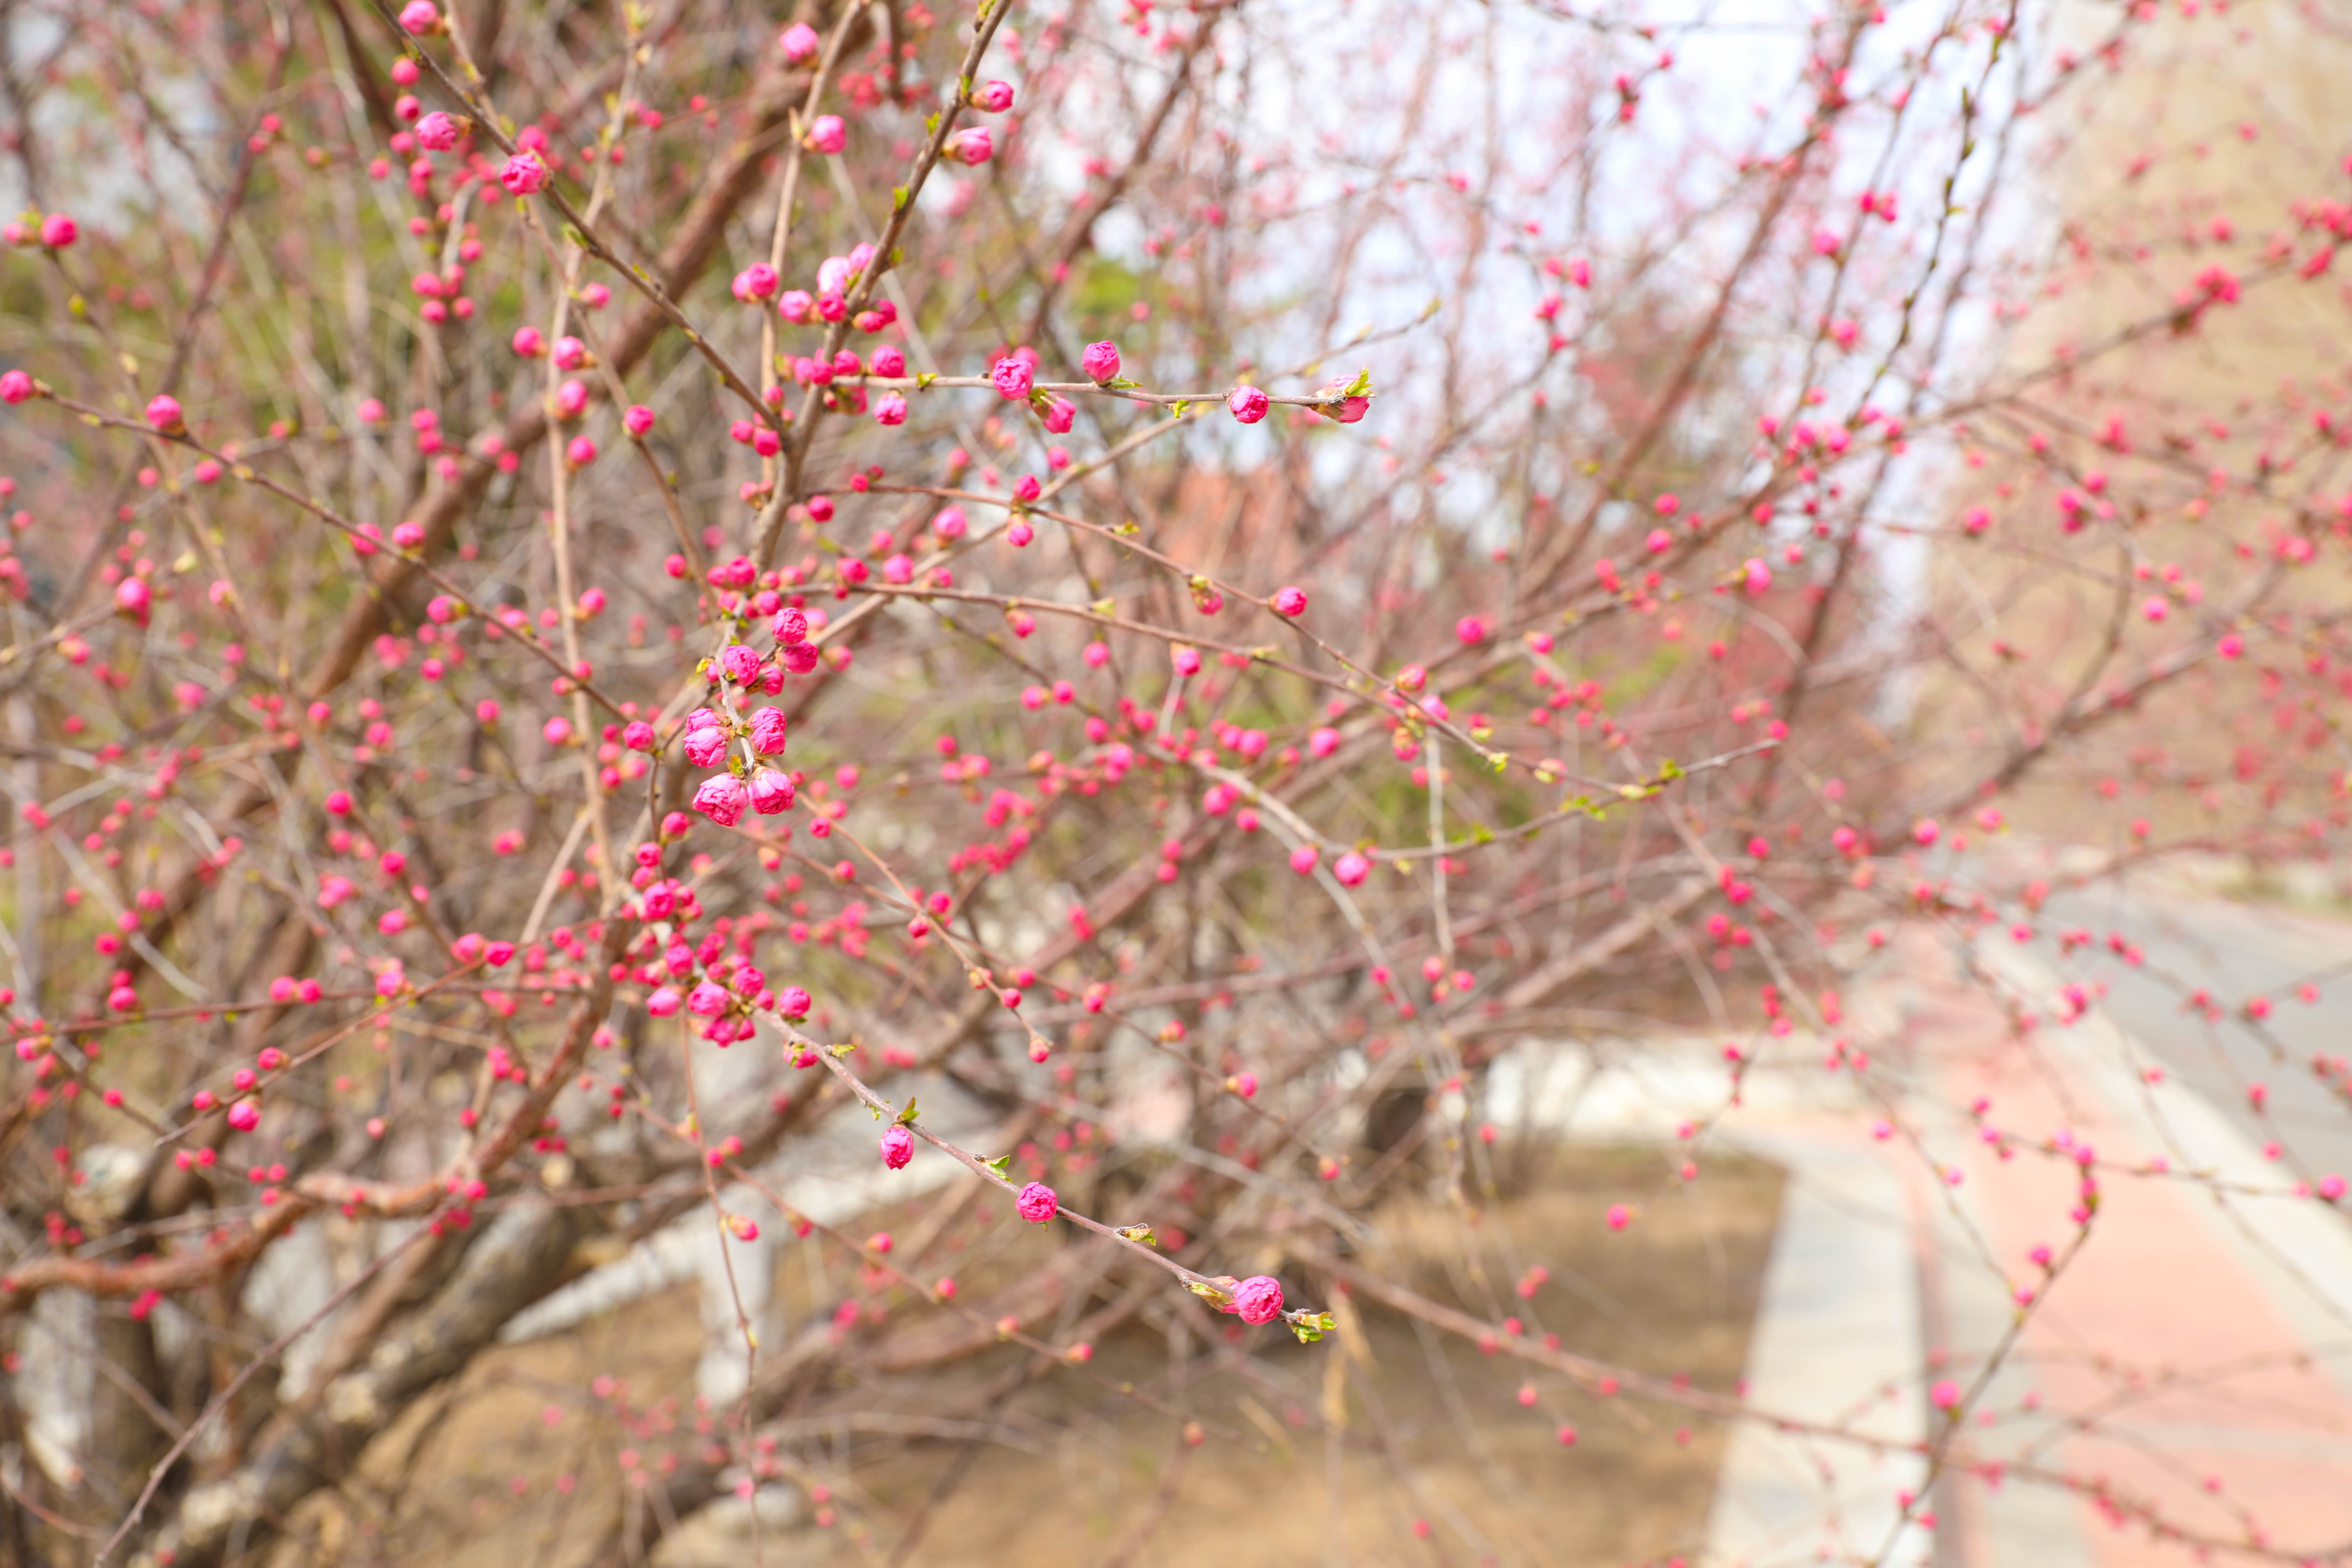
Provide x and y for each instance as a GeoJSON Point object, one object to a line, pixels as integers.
{"type": "Point", "coordinates": [437, 132]}
{"type": "Point", "coordinates": [1012, 378]}
{"type": "Point", "coordinates": [771, 791]}
{"type": "Point", "coordinates": [1257, 1300]}
{"type": "Point", "coordinates": [524, 174]}
{"type": "Point", "coordinates": [665, 1002]}
{"type": "Point", "coordinates": [1247, 403]}
{"type": "Point", "coordinates": [1037, 1203]}
{"type": "Point", "coordinates": [706, 745]}
{"type": "Point", "coordinates": [767, 726]}
{"type": "Point", "coordinates": [637, 735]}
{"type": "Point", "coordinates": [794, 1003]}
{"type": "Point", "coordinates": [889, 363]}
{"type": "Point", "coordinates": [756, 282]}
{"type": "Point", "coordinates": [1100, 362]}
{"type": "Point", "coordinates": [890, 409]}
{"type": "Point", "coordinates": [1059, 415]}
{"type": "Point", "coordinates": [796, 305]}
{"type": "Point", "coordinates": [722, 798]}
{"type": "Point", "coordinates": [739, 662]}
{"type": "Point", "coordinates": [897, 1147]}
{"type": "Point", "coordinates": [792, 626]}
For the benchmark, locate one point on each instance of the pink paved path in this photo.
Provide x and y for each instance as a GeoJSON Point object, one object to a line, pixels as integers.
{"type": "Point", "coordinates": [2197, 1391]}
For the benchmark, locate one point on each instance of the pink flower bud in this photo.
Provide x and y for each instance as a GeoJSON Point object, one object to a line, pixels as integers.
{"type": "Point", "coordinates": [722, 798]}
{"type": "Point", "coordinates": [1303, 859]}
{"type": "Point", "coordinates": [1012, 378]}
{"type": "Point", "coordinates": [792, 627]}
{"type": "Point", "coordinates": [419, 18]}
{"type": "Point", "coordinates": [827, 134]}
{"type": "Point", "coordinates": [665, 1002]}
{"type": "Point", "coordinates": [767, 726]}
{"type": "Point", "coordinates": [739, 662]}
{"type": "Point", "coordinates": [529, 343]}
{"type": "Point", "coordinates": [637, 735]}
{"type": "Point", "coordinates": [890, 362]}
{"type": "Point", "coordinates": [15, 386]}
{"type": "Point", "coordinates": [1059, 415]}
{"type": "Point", "coordinates": [897, 1147]}
{"type": "Point", "coordinates": [890, 409]}
{"type": "Point", "coordinates": [972, 147]}
{"type": "Point", "coordinates": [950, 523]}
{"type": "Point", "coordinates": [1351, 869]}
{"type": "Point", "coordinates": [1258, 1299]}
{"type": "Point", "coordinates": [638, 419]}
{"type": "Point", "coordinates": [706, 1000]}
{"type": "Point", "coordinates": [794, 1003]}
{"type": "Point", "coordinates": [1247, 403]}
{"type": "Point", "coordinates": [995, 96]}
{"type": "Point", "coordinates": [1037, 1203]}
{"type": "Point", "coordinates": [580, 451]}
{"type": "Point", "coordinates": [437, 132]}
{"type": "Point", "coordinates": [771, 791]}
{"type": "Point", "coordinates": [58, 231]}
{"type": "Point", "coordinates": [1289, 601]}
{"type": "Point", "coordinates": [164, 413]}
{"type": "Point", "coordinates": [523, 174]}
{"type": "Point", "coordinates": [799, 42]}
{"type": "Point", "coordinates": [244, 1116]}
{"type": "Point", "coordinates": [705, 745]}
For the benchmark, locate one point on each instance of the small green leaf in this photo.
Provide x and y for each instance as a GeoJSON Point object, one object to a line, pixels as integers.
{"type": "Point", "coordinates": [1362, 386]}
{"type": "Point", "coordinates": [1312, 1326]}
{"type": "Point", "coordinates": [906, 1117]}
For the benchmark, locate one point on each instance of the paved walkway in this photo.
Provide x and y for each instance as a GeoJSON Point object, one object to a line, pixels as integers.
{"type": "Point", "coordinates": [2195, 1357]}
